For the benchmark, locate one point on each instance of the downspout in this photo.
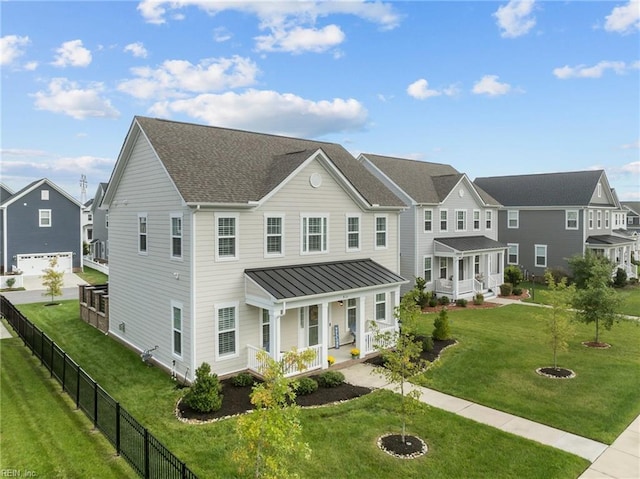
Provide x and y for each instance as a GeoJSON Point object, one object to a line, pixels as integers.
{"type": "Point", "coordinates": [4, 239]}
{"type": "Point", "coordinates": [194, 289]}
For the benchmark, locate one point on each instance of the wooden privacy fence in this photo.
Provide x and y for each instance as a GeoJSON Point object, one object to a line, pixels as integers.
{"type": "Point", "coordinates": [146, 455]}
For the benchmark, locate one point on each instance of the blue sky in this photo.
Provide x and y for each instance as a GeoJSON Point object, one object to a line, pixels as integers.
{"type": "Point", "coordinates": [491, 88]}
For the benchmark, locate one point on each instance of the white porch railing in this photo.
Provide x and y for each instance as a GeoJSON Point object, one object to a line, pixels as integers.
{"type": "Point", "coordinates": [254, 364]}
{"type": "Point", "coordinates": [371, 344]}
{"type": "Point", "coordinates": [444, 286]}
{"type": "Point", "coordinates": [90, 263]}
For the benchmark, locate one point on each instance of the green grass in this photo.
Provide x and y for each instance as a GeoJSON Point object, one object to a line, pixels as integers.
{"type": "Point", "coordinates": [93, 276]}
{"type": "Point", "coordinates": [41, 431]}
{"type": "Point", "coordinates": [341, 437]}
{"type": "Point", "coordinates": [499, 349]}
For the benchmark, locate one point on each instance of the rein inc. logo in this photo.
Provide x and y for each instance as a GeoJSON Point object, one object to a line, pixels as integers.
{"type": "Point", "coordinates": [17, 473]}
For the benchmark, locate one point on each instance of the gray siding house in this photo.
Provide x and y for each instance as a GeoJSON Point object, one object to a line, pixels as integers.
{"type": "Point", "coordinates": [547, 218]}
{"type": "Point", "coordinates": [37, 223]}
{"type": "Point", "coordinates": [449, 233]}
{"type": "Point", "coordinates": [100, 230]}
{"type": "Point", "coordinates": [223, 243]}
{"type": "Point", "coordinates": [633, 215]}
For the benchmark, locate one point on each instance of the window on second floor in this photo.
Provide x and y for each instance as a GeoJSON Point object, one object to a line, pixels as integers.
{"type": "Point", "coordinates": [142, 232]}
{"type": "Point", "coordinates": [513, 219]}
{"type": "Point", "coordinates": [599, 219]}
{"type": "Point", "coordinates": [226, 237]}
{"type": "Point", "coordinates": [353, 233]}
{"type": "Point", "coordinates": [571, 219]}
{"type": "Point", "coordinates": [428, 220]}
{"type": "Point", "coordinates": [512, 253]}
{"type": "Point", "coordinates": [381, 232]}
{"type": "Point", "coordinates": [44, 218]}
{"type": "Point", "coordinates": [274, 235]}
{"type": "Point", "coordinates": [314, 234]}
{"type": "Point", "coordinates": [606, 219]}
{"type": "Point", "coordinates": [461, 220]}
{"type": "Point", "coordinates": [44, 195]}
{"type": "Point", "coordinates": [176, 235]}
{"type": "Point", "coordinates": [476, 220]}
{"type": "Point", "coordinates": [443, 220]}
{"type": "Point", "coordinates": [488, 216]}
{"type": "Point", "coordinates": [590, 219]}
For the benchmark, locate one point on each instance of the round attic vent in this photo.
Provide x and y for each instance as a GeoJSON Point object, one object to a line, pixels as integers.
{"type": "Point", "coordinates": [315, 180]}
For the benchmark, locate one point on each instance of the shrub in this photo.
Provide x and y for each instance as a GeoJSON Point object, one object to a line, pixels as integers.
{"type": "Point", "coordinates": [513, 275]}
{"type": "Point", "coordinates": [619, 281]}
{"type": "Point", "coordinates": [427, 343]}
{"type": "Point", "coordinates": [204, 394]}
{"type": "Point", "coordinates": [478, 299]}
{"type": "Point", "coordinates": [557, 274]}
{"type": "Point", "coordinates": [306, 386]}
{"type": "Point", "coordinates": [517, 291]}
{"type": "Point", "coordinates": [433, 302]}
{"type": "Point", "coordinates": [330, 379]}
{"type": "Point", "coordinates": [506, 289]}
{"type": "Point", "coordinates": [462, 302]}
{"type": "Point", "coordinates": [242, 380]}
{"type": "Point", "coordinates": [441, 326]}
{"type": "Point", "coordinates": [444, 300]}
{"type": "Point", "coordinates": [11, 282]}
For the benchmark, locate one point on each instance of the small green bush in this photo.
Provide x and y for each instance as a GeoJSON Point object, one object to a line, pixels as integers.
{"type": "Point", "coordinates": [427, 343]}
{"type": "Point", "coordinates": [242, 380]}
{"type": "Point", "coordinates": [619, 281]}
{"type": "Point", "coordinates": [506, 289]}
{"type": "Point", "coordinates": [517, 291]}
{"type": "Point", "coordinates": [11, 282]}
{"type": "Point", "coordinates": [306, 386]}
{"type": "Point", "coordinates": [462, 302]}
{"type": "Point", "coordinates": [513, 275]}
{"type": "Point", "coordinates": [330, 379]}
{"type": "Point", "coordinates": [204, 394]}
{"type": "Point", "coordinates": [441, 329]}
{"type": "Point", "coordinates": [478, 299]}
{"type": "Point", "coordinates": [433, 302]}
{"type": "Point", "coordinates": [444, 300]}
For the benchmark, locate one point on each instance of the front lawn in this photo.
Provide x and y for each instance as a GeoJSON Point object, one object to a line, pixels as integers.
{"type": "Point", "coordinates": [499, 349]}
{"type": "Point", "coordinates": [342, 437]}
{"type": "Point", "coordinates": [93, 276]}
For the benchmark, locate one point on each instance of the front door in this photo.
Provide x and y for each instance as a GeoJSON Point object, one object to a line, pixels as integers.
{"type": "Point", "coordinates": [312, 328]}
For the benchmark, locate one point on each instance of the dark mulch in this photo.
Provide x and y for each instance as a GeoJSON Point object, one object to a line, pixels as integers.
{"type": "Point", "coordinates": [410, 448]}
{"type": "Point", "coordinates": [560, 373]}
{"type": "Point", "coordinates": [593, 344]}
{"type": "Point", "coordinates": [438, 346]}
{"type": "Point", "coordinates": [236, 400]}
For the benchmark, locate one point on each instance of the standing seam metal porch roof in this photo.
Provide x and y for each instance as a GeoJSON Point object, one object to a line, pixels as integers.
{"type": "Point", "coordinates": [286, 282]}
{"type": "Point", "coordinates": [608, 240]}
{"type": "Point", "coordinates": [470, 243]}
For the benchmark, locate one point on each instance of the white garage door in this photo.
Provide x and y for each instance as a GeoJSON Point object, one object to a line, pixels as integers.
{"type": "Point", "coordinates": [33, 264]}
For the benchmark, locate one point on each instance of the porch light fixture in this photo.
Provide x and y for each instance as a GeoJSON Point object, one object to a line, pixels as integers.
{"type": "Point", "coordinates": [340, 302]}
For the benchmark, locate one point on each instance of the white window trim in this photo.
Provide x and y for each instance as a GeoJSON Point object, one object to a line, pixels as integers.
{"type": "Point", "coordinates": [517, 245]}
{"type": "Point", "coordinates": [599, 190]}
{"type": "Point", "coordinates": [517, 218]}
{"type": "Point", "coordinates": [216, 217]}
{"type": "Point", "coordinates": [607, 219]}
{"type": "Point", "coordinates": [446, 213]}
{"type": "Point", "coordinates": [375, 232]}
{"type": "Point", "coordinates": [146, 234]}
{"type": "Point", "coordinates": [464, 220]}
{"type": "Point", "coordinates": [262, 323]}
{"type": "Point", "coordinates": [425, 220]}
{"type": "Point", "coordinates": [216, 309]}
{"type": "Point", "coordinates": [599, 219]}
{"type": "Point", "coordinates": [590, 219]}
{"type": "Point", "coordinates": [566, 220]}
{"type": "Point", "coordinates": [346, 225]}
{"type": "Point", "coordinates": [424, 259]}
{"type": "Point", "coordinates": [171, 255]}
{"type": "Point", "coordinates": [473, 220]}
{"type": "Point", "coordinates": [106, 220]}
{"type": "Point", "coordinates": [177, 305]}
{"type": "Point", "coordinates": [325, 246]}
{"type": "Point", "coordinates": [488, 220]}
{"type": "Point", "coordinates": [40, 212]}
{"type": "Point", "coordinates": [266, 235]}
{"type": "Point", "coordinates": [386, 307]}
{"type": "Point", "coordinates": [535, 255]}
{"type": "Point", "coordinates": [44, 195]}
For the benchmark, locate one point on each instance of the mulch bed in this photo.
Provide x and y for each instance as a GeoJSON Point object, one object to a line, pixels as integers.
{"type": "Point", "coordinates": [438, 347]}
{"type": "Point", "coordinates": [593, 344]}
{"type": "Point", "coordinates": [410, 448]}
{"type": "Point", "coordinates": [556, 373]}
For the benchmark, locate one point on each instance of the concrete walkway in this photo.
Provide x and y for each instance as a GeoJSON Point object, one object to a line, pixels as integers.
{"type": "Point", "coordinates": [621, 460]}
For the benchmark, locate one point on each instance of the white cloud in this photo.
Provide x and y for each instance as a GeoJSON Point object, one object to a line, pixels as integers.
{"type": "Point", "coordinates": [12, 47]}
{"type": "Point", "coordinates": [624, 19]}
{"type": "Point", "coordinates": [595, 71]}
{"type": "Point", "coordinates": [299, 40]}
{"type": "Point", "coordinates": [72, 53]}
{"type": "Point", "coordinates": [137, 49]}
{"type": "Point", "coordinates": [631, 146]}
{"type": "Point", "coordinates": [489, 85]}
{"type": "Point", "coordinates": [30, 66]}
{"type": "Point", "coordinates": [420, 90]}
{"type": "Point", "coordinates": [270, 111]}
{"type": "Point", "coordinates": [632, 168]}
{"type": "Point", "coordinates": [515, 18]}
{"type": "Point", "coordinates": [221, 34]}
{"type": "Point", "coordinates": [175, 77]}
{"type": "Point", "coordinates": [66, 97]}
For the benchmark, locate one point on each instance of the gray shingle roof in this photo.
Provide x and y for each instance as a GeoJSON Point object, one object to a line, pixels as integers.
{"type": "Point", "coordinates": [471, 243]}
{"type": "Point", "coordinates": [608, 240]}
{"type": "Point", "coordinates": [548, 189]}
{"type": "Point", "coordinates": [632, 205]}
{"type": "Point", "coordinates": [425, 182]}
{"type": "Point", "coordinates": [296, 281]}
{"type": "Point", "coordinates": [219, 165]}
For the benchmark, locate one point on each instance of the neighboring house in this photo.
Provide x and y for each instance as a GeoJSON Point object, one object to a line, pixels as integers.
{"type": "Point", "coordinates": [632, 209]}
{"type": "Point", "coordinates": [87, 222]}
{"type": "Point", "coordinates": [225, 242]}
{"type": "Point", "coordinates": [100, 241]}
{"type": "Point", "coordinates": [547, 218]}
{"type": "Point", "coordinates": [39, 222]}
{"type": "Point", "coordinates": [449, 233]}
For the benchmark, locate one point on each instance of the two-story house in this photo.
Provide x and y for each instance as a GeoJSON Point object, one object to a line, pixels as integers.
{"type": "Point", "coordinates": [225, 242]}
{"type": "Point", "coordinates": [100, 227]}
{"type": "Point", "coordinates": [37, 223]}
{"type": "Point", "coordinates": [87, 222]}
{"type": "Point", "coordinates": [547, 218]}
{"type": "Point", "coordinates": [449, 233]}
{"type": "Point", "coordinates": [632, 209]}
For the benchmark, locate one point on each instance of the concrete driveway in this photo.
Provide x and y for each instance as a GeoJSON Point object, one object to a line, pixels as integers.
{"type": "Point", "coordinates": [34, 290]}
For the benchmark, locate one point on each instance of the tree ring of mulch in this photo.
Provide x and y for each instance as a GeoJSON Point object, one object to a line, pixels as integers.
{"type": "Point", "coordinates": [594, 345]}
{"type": "Point", "coordinates": [411, 448]}
{"type": "Point", "coordinates": [556, 373]}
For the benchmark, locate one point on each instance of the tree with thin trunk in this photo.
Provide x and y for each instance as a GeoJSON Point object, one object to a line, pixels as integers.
{"type": "Point", "coordinates": [52, 279]}
{"type": "Point", "coordinates": [402, 360]}
{"type": "Point", "coordinates": [271, 435]}
{"type": "Point", "coordinates": [559, 326]}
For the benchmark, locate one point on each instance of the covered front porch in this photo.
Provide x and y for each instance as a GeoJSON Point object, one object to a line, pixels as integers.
{"type": "Point", "coordinates": [617, 249]}
{"type": "Point", "coordinates": [326, 307]}
{"type": "Point", "coordinates": [468, 266]}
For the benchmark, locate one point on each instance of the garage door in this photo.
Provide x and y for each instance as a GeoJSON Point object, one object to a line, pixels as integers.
{"type": "Point", "coordinates": [33, 264]}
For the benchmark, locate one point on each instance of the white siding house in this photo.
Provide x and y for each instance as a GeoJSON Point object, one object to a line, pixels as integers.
{"type": "Point", "coordinates": [224, 242]}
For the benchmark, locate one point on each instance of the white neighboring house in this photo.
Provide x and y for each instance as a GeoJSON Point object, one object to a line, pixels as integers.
{"type": "Point", "coordinates": [225, 242]}
{"type": "Point", "coordinates": [87, 222]}
{"type": "Point", "coordinates": [449, 231]}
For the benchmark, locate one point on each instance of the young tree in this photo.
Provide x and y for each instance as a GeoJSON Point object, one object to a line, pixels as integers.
{"type": "Point", "coordinates": [441, 329]}
{"type": "Point", "coordinates": [597, 302]}
{"type": "Point", "coordinates": [52, 279]}
{"type": "Point", "coordinates": [559, 326]}
{"type": "Point", "coordinates": [584, 266]}
{"type": "Point", "coordinates": [270, 437]}
{"type": "Point", "coordinates": [204, 394]}
{"type": "Point", "coordinates": [402, 361]}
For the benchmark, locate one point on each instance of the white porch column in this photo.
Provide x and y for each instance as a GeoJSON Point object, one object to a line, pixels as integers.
{"type": "Point", "coordinates": [395, 301]}
{"type": "Point", "coordinates": [361, 326]}
{"type": "Point", "coordinates": [274, 333]}
{"type": "Point", "coordinates": [456, 266]}
{"type": "Point", "coordinates": [323, 324]}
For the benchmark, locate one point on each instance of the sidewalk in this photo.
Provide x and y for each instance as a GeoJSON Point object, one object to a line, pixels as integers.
{"type": "Point", "coordinates": [621, 460]}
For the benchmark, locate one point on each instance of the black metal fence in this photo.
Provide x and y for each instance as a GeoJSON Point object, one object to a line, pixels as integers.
{"type": "Point", "coordinates": [146, 455]}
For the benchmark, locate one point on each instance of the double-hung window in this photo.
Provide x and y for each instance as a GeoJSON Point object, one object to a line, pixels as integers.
{"type": "Point", "coordinates": [176, 325]}
{"type": "Point", "coordinates": [227, 330]}
{"type": "Point", "coordinates": [226, 237]}
{"type": "Point", "coordinates": [142, 233]}
{"type": "Point", "coordinates": [512, 253]}
{"type": "Point", "coordinates": [381, 306]}
{"type": "Point", "coordinates": [461, 220]}
{"type": "Point", "coordinates": [353, 233]}
{"type": "Point", "coordinates": [314, 234]}
{"type": "Point", "coordinates": [606, 219]}
{"type": "Point", "coordinates": [476, 220]}
{"type": "Point", "coordinates": [176, 235]}
{"type": "Point", "coordinates": [541, 255]}
{"type": "Point", "coordinates": [273, 235]}
{"type": "Point", "coordinates": [428, 220]}
{"type": "Point", "coordinates": [488, 216]}
{"type": "Point", "coordinates": [599, 219]}
{"type": "Point", "coordinates": [443, 220]}
{"type": "Point", "coordinates": [428, 269]}
{"type": "Point", "coordinates": [571, 219]}
{"type": "Point", "coordinates": [443, 267]}
{"type": "Point", "coordinates": [381, 231]}
{"type": "Point", "coordinates": [44, 218]}
{"type": "Point", "coordinates": [513, 219]}
{"type": "Point", "coordinates": [590, 219]}
{"type": "Point", "coordinates": [265, 332]}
